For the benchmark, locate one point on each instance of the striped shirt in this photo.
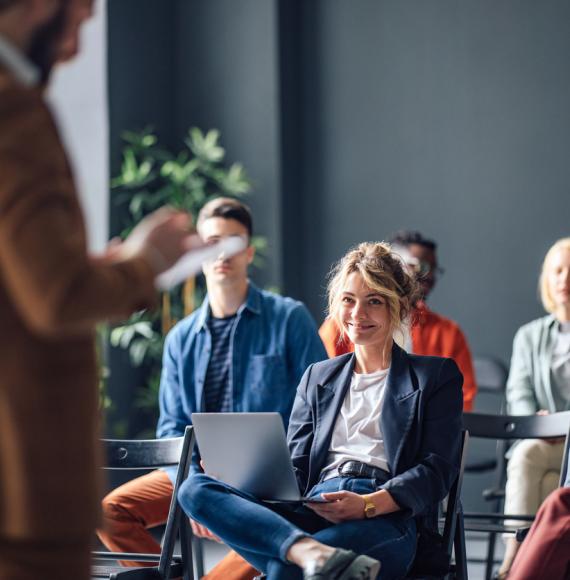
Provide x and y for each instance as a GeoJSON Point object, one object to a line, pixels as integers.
{"type": "Point", "coordinates": [218, 386]}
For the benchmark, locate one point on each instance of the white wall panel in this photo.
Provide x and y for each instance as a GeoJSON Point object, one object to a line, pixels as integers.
{"type": "Point", "coordinates": [78, 94]}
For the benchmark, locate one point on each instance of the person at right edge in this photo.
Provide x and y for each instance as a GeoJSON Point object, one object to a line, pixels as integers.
{"type": "Point", "coordinates": [431, 333]}
{"type": "Point", "coordinates": [545, 552]}
{"type": "Point", "coordinates": [539, 382]}
{"type": "Point", "coordinates": [52, 293]}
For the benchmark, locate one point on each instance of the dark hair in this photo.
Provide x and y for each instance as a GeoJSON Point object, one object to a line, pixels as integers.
{"type": "Point", "coordinates": [408, 237]}
{"type": "Point", "coordinates": [228, 209]}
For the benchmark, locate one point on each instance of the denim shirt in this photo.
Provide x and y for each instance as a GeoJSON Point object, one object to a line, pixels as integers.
{"type": "Point", "coordinates": [273, 341]}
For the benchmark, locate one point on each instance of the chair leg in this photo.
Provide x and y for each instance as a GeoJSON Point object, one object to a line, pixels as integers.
{"type": "Point", "coordinates": [137, 574]}
{"type": "Point", "coordinates": [198, 556]}
{"type": "Point", "coordinates": [460, 551]}
{"type": "Point", "coordinates": [490, 556]}
{"type": "Point", "coordinates": [186, 549]}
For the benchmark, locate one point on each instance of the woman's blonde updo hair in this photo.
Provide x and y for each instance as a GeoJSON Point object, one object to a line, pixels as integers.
{"type": "Point", "coordinates": [543, 284]}
{"type": "Point", "coordinates": [384, 272]}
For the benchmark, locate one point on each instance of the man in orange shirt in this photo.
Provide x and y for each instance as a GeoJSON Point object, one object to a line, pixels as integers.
{"type": "Point", "coordinates": [431, 333]}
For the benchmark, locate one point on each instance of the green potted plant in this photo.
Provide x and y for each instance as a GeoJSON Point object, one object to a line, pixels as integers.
{"type": "Point", "coordinates": [150, 177]}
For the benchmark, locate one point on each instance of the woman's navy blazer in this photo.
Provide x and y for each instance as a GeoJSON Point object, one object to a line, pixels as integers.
{"type": "Point", "coordinates": [421, 423]}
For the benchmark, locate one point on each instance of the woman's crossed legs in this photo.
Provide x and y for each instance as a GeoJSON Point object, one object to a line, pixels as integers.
{"type": "Point", "coordinates": [264, 533]}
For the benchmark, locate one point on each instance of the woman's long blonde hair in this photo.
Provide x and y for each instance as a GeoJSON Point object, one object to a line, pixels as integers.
{"type": "Point", "coordinates": [384, 272]}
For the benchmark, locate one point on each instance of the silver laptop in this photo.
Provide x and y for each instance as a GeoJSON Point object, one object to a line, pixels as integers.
{"type": "Point", "coordinates": [249, 452]}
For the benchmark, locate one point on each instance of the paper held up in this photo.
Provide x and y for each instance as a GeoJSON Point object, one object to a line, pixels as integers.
{"type": "Point", "coordinates": [190, 263]}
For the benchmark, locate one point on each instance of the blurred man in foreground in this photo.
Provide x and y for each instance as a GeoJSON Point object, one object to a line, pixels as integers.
{"type": "Point", "coordinates": [431, 333]}
{"type": "Point", "coordinates": [52, 293]}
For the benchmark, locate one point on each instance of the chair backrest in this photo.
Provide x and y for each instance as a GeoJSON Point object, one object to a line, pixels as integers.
{"type": "Point", "coordinates": [142, 453]}
{"type": "Point", "coordinates": [565, 459]}
{"type": "Point", "coordinates": [453, 510]}
{"type": "Point", "coordinates": [433, 556]}
{"type": "Point", "coordinates": [152, 454]}
{"type": "Point", "coordinates": [517, 426]}
{"type": "Point", "coordinates": [510, 427]}
{"type": "Point", "coordinates": [490, 373]}
{"type": "Point", "coordinates": [504, 429]}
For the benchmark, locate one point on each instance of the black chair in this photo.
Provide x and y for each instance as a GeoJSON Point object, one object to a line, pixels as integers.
{"type": "Point", "coordinates": [491, 375]}
{"type": "Point", "coordinates": [507, 428]}
{"type": "Point", "coordinates": [489, 457]}
{"type": "Point", "coordinates": [152, 454]}
{"type": "Point", "coordinates": [565, 460]}
{"type": "Point", "coordinates": [437, 564]}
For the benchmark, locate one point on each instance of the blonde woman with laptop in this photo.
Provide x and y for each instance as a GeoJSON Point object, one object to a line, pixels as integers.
{"type": "Point", "coordinates": [376, 433]}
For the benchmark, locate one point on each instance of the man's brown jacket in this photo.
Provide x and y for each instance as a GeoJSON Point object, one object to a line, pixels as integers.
{"type": "Point", "coordinates": [51, 295]}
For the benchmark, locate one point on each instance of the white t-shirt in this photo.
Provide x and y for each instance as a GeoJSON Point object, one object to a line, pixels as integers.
{"type": "Point", "coordinates": [357, 434]}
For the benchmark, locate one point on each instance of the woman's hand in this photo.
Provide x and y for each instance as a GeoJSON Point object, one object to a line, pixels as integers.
{"type": "Point", "coordinates": [347, 505]}
{"type": "Point", "coordinates": [554, 440]}
{"type": "Point", "coordinates": [341, 506]}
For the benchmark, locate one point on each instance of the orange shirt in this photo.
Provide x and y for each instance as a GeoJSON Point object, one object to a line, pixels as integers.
{"type": "Point", "coordinates": [432, 334]}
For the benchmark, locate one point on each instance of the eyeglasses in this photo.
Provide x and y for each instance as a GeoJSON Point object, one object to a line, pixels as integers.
{"type": "Point", "coordinates": [423, 268]}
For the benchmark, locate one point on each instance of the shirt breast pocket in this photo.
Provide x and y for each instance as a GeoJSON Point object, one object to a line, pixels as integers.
{"type": "Point", "coordinates": [267, 372]}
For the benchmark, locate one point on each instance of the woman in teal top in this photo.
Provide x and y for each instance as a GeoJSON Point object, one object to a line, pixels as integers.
{"type": "Point", "coordinates": [539, 382]}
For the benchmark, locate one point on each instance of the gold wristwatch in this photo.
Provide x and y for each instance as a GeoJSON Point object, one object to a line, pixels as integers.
{"type": "Point", "coordinates": [369, 507]}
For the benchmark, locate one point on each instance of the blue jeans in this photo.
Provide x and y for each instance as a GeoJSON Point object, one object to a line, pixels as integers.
{"type": "Point", "coordinates": [263, 533]}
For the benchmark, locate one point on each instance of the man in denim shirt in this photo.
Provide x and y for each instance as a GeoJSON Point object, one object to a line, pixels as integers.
{"type": "Point", "coordinates": [244, 349]}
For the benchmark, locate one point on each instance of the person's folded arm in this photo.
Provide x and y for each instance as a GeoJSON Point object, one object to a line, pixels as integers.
{"type": "Point", "coordinates": [304, 346]}
{"type": "Point", "coordinates": [300, 432]}
{"type": "Point", "coordinates": [425, 484]}
{"type": "Point", "coordinates": [173, 420]}
{"type": "Point", "coordinates": [461, 354]}
{"type": "Point", "coordinates": [521, 396]}
{"type": "Point", "coordinates": [54, 284]}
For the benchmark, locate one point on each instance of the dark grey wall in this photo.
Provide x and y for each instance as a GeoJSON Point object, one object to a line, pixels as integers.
{"type": "Point", "coordinates": [452, 118]}
{"type": "Point", "coordinates": [358, 118]}
{"type": "Point", "coordinates": [140, 83]}
{"type": "Point", "coordinates": [227, 78]}
{"type": "Point", "coordinates": [214, 64]}
{"type": "Point", "coordinates": [140, 74]}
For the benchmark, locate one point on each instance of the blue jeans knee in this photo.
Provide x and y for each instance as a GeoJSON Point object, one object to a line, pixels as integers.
{"type": "Point", "coordinates": [191, 494]}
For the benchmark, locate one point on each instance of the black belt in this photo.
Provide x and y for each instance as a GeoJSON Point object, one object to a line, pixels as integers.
{"type": "Point", "coordinates": [357, 469]}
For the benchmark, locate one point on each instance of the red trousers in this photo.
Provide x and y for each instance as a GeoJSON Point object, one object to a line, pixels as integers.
{"type": "Point", "coordinates": [133, 508]}
{"type": "Point", "coordinates": [545, 553]}
{"type": "Point", "coordinates": [130, 510]}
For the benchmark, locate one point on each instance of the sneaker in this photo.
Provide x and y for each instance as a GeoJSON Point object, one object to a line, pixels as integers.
{"type": "Point", "coordinates": [346, 565]}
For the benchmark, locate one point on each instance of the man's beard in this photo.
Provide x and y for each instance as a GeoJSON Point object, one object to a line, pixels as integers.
{"type": "Point", "coordinates": [44, 46]}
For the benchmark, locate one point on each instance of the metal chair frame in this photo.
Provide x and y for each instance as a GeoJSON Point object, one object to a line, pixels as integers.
{"type": "Point", "coordinates": [153, 454]}
{"type": "Point", "coordinates": [507, 428]}
{"type": "Point", "coordinates": [453, 529]}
